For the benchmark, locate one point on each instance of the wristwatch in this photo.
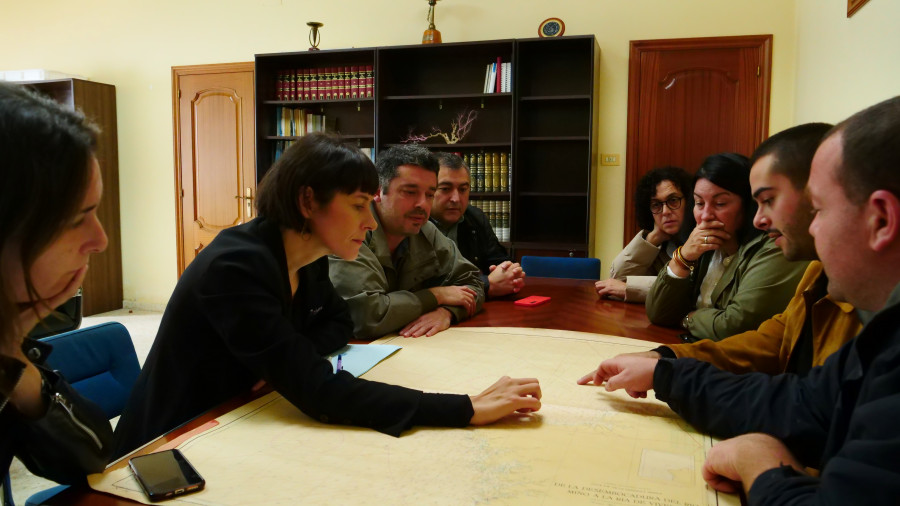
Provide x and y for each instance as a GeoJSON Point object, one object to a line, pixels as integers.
{"type": "Point", "coordinates": [686, 322]}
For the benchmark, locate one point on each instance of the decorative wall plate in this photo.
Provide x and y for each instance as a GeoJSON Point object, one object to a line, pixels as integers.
{"type": "Point", "coordinates": [551, 27]}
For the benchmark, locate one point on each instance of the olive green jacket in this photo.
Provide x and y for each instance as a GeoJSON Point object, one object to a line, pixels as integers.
{"type": "Point", "coordinates": [383, 299]}
{"type": "Point", "coordinates": [757, 284]}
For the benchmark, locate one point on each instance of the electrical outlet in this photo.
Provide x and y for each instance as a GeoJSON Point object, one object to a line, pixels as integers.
{"type": "Point", "coordinates": [609, 159]}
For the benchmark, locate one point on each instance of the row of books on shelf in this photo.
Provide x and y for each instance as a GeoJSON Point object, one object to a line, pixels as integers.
{"type": "Point", "coordinates": [296, 121]}
{"type": "Point", "coordinates": [326, 83]}
{"type": "Point", "coordinates": [497, 212]}
{"type": "Point", "coordinates": [498, 77]}
{"type": "Point", "coordinates": [280, 147]}
{"type": "Point", "coordinates": [489, 172]}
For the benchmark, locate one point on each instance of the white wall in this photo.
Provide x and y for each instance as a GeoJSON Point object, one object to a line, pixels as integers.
{"type": "Point", "coordinates": [845, 64]}
{"type": "Point", "coordinates": [133, 44]}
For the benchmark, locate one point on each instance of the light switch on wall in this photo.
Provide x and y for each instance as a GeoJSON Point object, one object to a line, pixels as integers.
{"type": "Point", "coordinates": [609, 159]}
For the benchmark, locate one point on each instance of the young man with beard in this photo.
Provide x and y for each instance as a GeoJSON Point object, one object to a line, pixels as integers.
{"type": "Point", "coordinates": [408, 278]}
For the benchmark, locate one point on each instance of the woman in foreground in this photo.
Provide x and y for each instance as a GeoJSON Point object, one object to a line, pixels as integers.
{"type": "Point", "coordinates": [48, 197]}
{"type": "Point", "coordinates": [257, 304]}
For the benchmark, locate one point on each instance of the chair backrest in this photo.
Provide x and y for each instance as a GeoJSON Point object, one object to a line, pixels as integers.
{"type": "Point", "coordinates": [99, 362]}
{"type": "Point", "coordinates": [561, 267]}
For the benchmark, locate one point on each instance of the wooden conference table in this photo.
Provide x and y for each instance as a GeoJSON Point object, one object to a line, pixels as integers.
{"type": "Point", "coordinates": [574, 306]}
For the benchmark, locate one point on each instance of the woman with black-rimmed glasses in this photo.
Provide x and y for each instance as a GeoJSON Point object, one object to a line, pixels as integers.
{"type": "Point", "coordinates": [660, 201]}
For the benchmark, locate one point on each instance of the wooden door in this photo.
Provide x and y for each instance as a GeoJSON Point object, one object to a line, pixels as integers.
{"type": "Point", "coordinates": [690, 98]}
{"type": "Point", "coordinates": [214, 152]}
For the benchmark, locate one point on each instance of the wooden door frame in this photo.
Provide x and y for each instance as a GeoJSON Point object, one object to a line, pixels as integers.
{"type": "Point", "coordinates": [177, 73]}
{"type": "Point", "coordinates": [761, 42]}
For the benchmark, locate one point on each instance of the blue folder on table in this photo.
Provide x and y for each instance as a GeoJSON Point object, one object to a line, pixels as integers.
{"type": "Point", "coordinates": [359, 358]}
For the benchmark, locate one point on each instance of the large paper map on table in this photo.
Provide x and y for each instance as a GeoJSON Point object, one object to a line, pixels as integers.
{"type": "Point", "coordinates": [585, 446]}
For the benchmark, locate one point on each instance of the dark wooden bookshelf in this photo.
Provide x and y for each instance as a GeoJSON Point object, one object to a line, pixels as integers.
{"type": "Point", "coordinates": [102, 288]}
{"type": "Point", "coordinates": [546, 121]}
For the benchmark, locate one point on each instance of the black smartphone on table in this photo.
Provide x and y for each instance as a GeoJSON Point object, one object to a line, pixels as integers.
{"type": "Point", "coordinates": [166, 474]}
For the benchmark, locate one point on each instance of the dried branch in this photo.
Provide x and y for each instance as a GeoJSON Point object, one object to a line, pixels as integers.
{"type": "Point", "coordinates": [459, 128]}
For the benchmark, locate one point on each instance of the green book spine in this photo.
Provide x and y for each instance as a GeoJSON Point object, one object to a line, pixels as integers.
{"type": "Point", "coordinates": [504, 172]}
{"type": "Point", "coordinates": [488, 172]}
{"type": "Point", "coordinates": [495, 163]}
{"type": "Point", "coordinates": [479, 172]}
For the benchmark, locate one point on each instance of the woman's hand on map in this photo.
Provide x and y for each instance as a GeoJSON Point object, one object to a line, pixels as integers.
{"type": "Point", "coordinates": [633, 373]}
{"type": "Point", "coordinates": [506, 396]}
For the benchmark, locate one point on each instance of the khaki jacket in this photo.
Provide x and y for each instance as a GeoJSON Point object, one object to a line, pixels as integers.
{"type": "Point", "coordinates": [637, 265]}
{"type": "Point", "coordinates": [383, 299]}
{"type": "Point", "coordinates": [769, 348]}
{"type": "Point", "coordinates": [757, 284]}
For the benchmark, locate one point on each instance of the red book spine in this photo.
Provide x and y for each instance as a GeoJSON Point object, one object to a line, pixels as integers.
{"type": "Point", "coordinates": [499, 75]}
{"type": "Point", "coordinates": [336, 82]}
{"type": "Point", "coordinates": [331, 92]}
{"type": "Point", "coordinates": [294, 84]}
{"type": "Point", "coordinates": [370, 81]}
{"type": "Point", "coordinates": [279, 86]}
{"type": "Point", "coordinates": [354, 82]}
{"type": "Point", "coordinates": [286, 86]}
{"type": "Point", "coordinates": [345, 84]}
{"type": "Point", "coordinates": [317, 83]}
{"type": "Point", "coordinates": [307, 94]}
{"type": "Point", "coordinates": [301, 80]}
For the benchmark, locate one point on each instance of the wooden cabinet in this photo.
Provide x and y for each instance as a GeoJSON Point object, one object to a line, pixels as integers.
{"type": "Point", "coordinates": [544, 124]}
{"type": "Point", "coordinates": [556, 96]}
{"type": "Point", "coordinates": [354, 118]}
{"type": "Point", "coordinates": [102, 288]}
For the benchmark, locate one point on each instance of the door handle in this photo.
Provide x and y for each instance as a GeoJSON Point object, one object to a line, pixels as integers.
{"type": "Point", "coordinates": [248, 201]}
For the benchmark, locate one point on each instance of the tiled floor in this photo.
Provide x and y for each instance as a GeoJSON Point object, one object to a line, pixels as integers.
{"type": "Point", "coordinates": [142, 325]}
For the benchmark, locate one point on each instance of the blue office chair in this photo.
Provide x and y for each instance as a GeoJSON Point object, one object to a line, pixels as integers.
{"type": "Point", "coordinates": [7, 497]}
{"type": "Point", "coordinates": [561, 267]}
{"type": "Point", "coordinates": [101, 364]}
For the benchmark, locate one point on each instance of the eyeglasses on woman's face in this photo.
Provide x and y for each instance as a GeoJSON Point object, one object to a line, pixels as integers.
{"type": "Point", "coordinates": [673, 203]}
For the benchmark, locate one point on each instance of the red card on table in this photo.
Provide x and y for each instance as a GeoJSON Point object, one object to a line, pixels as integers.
{"type": "Point", "coordinates": [534, 300]}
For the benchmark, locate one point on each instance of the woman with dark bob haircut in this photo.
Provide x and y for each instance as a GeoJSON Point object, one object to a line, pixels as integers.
{"type": "Point", "coordinates": [49, 194]}
{"type": "Point", "coordinates": [257, 304]}
{"type": "Point", "coordinates": [661, 197]}
{"type": "Point", "coordinates": [727, 277]}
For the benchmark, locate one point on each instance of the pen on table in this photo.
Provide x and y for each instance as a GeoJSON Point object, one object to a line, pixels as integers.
{"type": "Point", "coordinates": [339, 367]}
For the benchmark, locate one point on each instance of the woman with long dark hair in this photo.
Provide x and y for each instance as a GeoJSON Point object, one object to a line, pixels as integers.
{"type": "Point", "coordinates": [727, 277]}
{"type": "Point", "coordinates": [49, 195]}
{"type": "Point", "coordinates": [257, 304]}
{"type": "Point", "coordinates": [660, 201]}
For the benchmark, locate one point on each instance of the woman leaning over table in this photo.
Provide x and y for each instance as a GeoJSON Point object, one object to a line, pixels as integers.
{"type": "Point", "coordinates": [257, 304]}
{"type": "Point", "coordinates": [48, 199]}
{"type": "Point", "coordinates": [661, 197]}
{"type": "Point", "coordinates": [728, 277]}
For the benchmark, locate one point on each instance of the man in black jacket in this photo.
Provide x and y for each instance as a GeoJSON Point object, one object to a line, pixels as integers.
{"type": "Point", "coordinates": [842, 417]}
{"type": "Point", "coordinates": [470, 229]}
